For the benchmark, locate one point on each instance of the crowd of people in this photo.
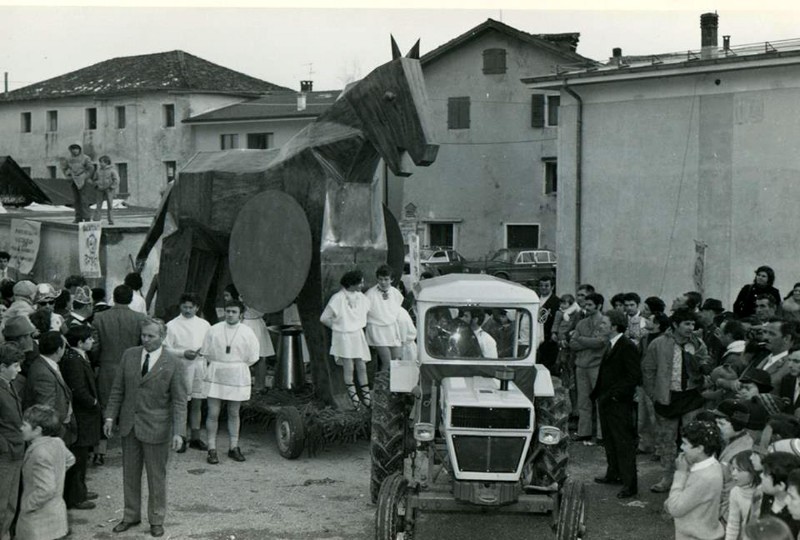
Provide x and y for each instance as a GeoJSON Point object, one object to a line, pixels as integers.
{"type": "Point", "coordinates": [75, 370]}
{"type": "Point", "coordinates": [712, 394]}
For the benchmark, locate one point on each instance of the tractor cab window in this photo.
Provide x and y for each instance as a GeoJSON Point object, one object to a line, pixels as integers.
{"type": "Point", "coordinates": [476, 332]}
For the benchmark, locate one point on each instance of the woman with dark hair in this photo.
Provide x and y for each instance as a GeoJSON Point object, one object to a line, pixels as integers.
{"type": "Point", "coordinates": [346, 316]}
{"type": "Point", "coordinates": [745, 304]}
{"type": "Point", "coordinates": [791, 304]}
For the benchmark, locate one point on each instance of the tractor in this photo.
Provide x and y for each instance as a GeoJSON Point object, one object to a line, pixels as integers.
{"type": "Point", "coordinates": [472, 423]}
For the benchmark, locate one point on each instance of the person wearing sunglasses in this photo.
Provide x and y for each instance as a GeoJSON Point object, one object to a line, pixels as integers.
{"type": "Point", "coordinates": [45, 301]}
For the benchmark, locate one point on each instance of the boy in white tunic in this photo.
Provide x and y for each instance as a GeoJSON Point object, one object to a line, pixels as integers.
{"type": "Point", "coordinates": [346, 316]}
{"type": "Point", "coordinates": [385, 304]}
{"type": "Point", "coordinates": [185, 336]}
{"type": "Point", "coordinates": [230, 348]}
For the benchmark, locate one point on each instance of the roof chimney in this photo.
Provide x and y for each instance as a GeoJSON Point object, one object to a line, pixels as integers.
{"type": "Point", "coordinates": [5, 85]}
{"type": "Point", "coordinates": [616, 56]}
{"type": "Point", "coordinates": [301, 102]}
{"type": "Point", "coordinates": [306, 86]}
{"type": "Point", "coordinates": [709, 23]}
{"type": "Point", "coordinates": [726, 44]}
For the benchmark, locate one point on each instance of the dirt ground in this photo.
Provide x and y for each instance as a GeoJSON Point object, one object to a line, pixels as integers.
{"type": "Point", "coordinates": [327, 497]}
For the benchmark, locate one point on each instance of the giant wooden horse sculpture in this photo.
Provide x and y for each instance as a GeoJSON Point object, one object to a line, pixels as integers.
{"type": "Point", "coordinates": [312, 213]}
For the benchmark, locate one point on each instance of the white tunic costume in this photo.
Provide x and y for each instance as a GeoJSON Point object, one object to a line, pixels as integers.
{"type": "Point", "coordinates": [255, 321]}
{"type": "Point", "coordinates": [230, 351]}
{"type": "Point", "coordinates": [384, 308]}
{"type": "Point", "coordinates": [408, 336]}
{"type": "Point", "coordinates": [188, 335]}
{"type": "Point", "coordinates": [346, 314]}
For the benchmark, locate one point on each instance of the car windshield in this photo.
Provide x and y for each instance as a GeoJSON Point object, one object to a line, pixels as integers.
{"type": "Point", "coordinates": [502, 255]}
{"type": "Point", "coordinates": [475, 332]}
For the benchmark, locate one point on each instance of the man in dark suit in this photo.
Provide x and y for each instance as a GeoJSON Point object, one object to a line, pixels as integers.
{"type": "Point", "coordinates": [117, 330]}
{"type": "Point", "coordinates": [549, 303]}
{"type": "Point", "coordinates": [77, 372]}
{"type": "Point", "coordinates": [148, 390]}
{"type": "Point", "coordinates": [46, 386]}
{"type": "Point", "coordinates": [12, 447]}
{"type": "Point", "coordinates": [620, 373]}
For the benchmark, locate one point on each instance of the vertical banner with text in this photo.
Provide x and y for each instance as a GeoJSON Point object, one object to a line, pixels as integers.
{"type": "Point", "coordinates": [25, 238]}
{"type": "Point", "coordinates": [413, 257]}
{"type": "Point", "coordinates": [699, 266]}
{"type": "Point", "coordinates": [89, 248]}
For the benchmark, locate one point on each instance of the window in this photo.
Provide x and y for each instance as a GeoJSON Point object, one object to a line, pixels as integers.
{"type": "Point", "coordinates": [259, 141]}
{"type": "Point", "coordinates": [91, 118]}
{"type": "Point", "coordinates": [51, 172]}
{"type": "Point", "coordinates": [122, 171]}
{"type": "Point", "coordinates": [26, 170]}
{"type": "Point", "coordinates": [121, 120]}
{"type": "Point", "coordinates": [169, 115]}
{"type": "Point", "coordinates": [550, 176]}
{"type": "Point", "coordinates": [169, 167]}
{"type": "Point", "coordinates": [544, 110]}
{"type": "Point", "coordinates": [52, 121]}
{"type": "Point", "coordinates": [494, 61]}
{"type": "Point", "coordinates": [553, 105]}
{"type": "Point", "coordinates": [458, 113]}
{"type": "Point", "coordinates": [441, 234]}
{"type": "Point", "coordinates": [522, 236]}
{"type": "Point", "coordinates": [228, 141]}
{"type": "Point", "coordinates": [25, 122]}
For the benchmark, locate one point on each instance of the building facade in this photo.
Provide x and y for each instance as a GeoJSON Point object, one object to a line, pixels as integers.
{"type": "Point", "coordinates": [494, 183]}
{"type": "Point", "coordinates": [680, 174]}
{"type": "Point", "coordinates": [130, 109]}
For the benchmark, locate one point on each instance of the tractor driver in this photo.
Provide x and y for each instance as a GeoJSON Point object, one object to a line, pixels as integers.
{"type": "Point", "coordinates": [469, 340]}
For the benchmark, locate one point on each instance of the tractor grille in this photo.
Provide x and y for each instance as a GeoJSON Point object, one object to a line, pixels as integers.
{"type": "Point", "coordinates": [490, 418]}
{"type": "Point", "coordinates": [488, 454]}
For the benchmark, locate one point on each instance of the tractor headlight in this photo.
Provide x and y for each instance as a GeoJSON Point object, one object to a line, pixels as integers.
{"type": "Point", "coordinates": [423, 432]}
{"type": "Point", "coordinates": [549, 435]}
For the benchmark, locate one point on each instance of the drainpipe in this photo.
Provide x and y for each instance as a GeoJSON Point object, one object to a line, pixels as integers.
{"type": "Point", "coordinates": [578, 183]}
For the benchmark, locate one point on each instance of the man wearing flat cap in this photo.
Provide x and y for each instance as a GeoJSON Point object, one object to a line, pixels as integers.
{"type": "Point", "coordinates": [24, 293]}
{"type": "Point", "coordinates": [19, 330]}
{"type": "Point", "coordinates": [710, 332]}
{"type": "Point", "coordinates": [12, 447]}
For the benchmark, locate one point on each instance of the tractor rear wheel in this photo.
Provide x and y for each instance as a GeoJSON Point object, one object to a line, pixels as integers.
{"type": "Point", "coordinates": [549, 466]}
{"type": "Point", "coordinates": [394, 520]}
{"type": "Point", "coordinates": [389, 427]}
{"type": "Point", "coordinates": [572, 511]}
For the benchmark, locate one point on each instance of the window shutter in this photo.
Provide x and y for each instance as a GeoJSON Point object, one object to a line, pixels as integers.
{"type": "Point", "coordinates": [458, 113]}
{"type": "Point", "coordinates": [537, 110]}
{"type": "Point", "coordinates": [494, 61]}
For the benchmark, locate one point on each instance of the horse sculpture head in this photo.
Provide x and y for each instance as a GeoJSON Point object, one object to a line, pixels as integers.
{"type": "Point", "coordinates": [392, 106]}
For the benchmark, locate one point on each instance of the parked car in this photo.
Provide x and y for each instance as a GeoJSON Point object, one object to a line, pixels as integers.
{"type": "Point", "coordinates": [518, 265]}
{"type": "Point", "coordinates": [445, 260]}
{"type": "Point", "coordinates": [423, 267]}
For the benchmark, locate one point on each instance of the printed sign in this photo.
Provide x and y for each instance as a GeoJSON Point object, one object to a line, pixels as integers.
{"type": "Point", "coordinates": [699, 266]}
{"type": "Point", "coordinates": [89, 248]}
{"type": "Point", "coordinates": [25, 237]}
{"type": "Point", "coordinates": [413, 257]}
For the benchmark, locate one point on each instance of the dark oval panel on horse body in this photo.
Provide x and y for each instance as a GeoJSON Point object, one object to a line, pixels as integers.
{"type": "Point", "coordinates": [394, 239]}
{"type": "Point", "coordinates": [270, 251]}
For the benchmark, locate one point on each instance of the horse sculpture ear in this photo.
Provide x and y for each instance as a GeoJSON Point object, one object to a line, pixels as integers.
{"type": "Point", "coordinates": [414, 52]}
{"type": "Point", "coordinates": [395, 49]}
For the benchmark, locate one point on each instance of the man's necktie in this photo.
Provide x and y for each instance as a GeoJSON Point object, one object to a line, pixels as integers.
{"type": "Point", "coordinates": [146, 364]}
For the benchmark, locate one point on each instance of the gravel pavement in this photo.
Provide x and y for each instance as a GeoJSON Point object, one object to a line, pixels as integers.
{"type": "Point", "coordinates": [327, 497]}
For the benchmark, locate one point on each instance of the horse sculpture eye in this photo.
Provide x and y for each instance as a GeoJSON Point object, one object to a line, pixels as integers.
{"type": "Point", "coordinates": [389, 96]}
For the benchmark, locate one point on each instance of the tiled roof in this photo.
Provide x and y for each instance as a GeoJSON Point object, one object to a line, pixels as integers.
{"type": "Point", "coordinates": [563, 44]}
{"type": "Point", "coordinates": [168, 71]}
{"type": "Point", "coordinates": [274, 106]}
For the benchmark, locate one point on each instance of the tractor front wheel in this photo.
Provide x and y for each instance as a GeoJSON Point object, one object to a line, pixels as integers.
{"type": "Point", "coordinates": [290, 432]}
{"type": "Point", "coordinates": [389, 427]}
{"type": "Point", "coordinates": [394, 520]}
{"type": "Point", "coordinates": [572, 511]}
{"type": "Point", "coordinates": [548, 466]}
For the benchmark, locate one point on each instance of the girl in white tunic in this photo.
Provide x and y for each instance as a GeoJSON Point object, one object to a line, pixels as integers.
{"type": "Point", "coordinates": [346, 316]}
{"type": "Point", "coordinates": [231, 348]}
{"type": "Point", "coordinates": [385, 305]}
{"type": "Point", "coordinates": [185, 336]}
